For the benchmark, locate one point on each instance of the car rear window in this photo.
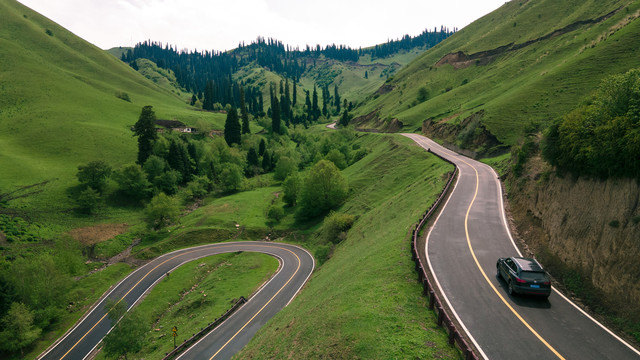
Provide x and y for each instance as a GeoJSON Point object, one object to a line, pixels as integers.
{"type": "Point", "coordinates": [532, 275]}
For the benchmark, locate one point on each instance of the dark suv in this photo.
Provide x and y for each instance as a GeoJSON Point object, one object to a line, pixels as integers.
{"type": "Point", "coordinates": [524, 276]}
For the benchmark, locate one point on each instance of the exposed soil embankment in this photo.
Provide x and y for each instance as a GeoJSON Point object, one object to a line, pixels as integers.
{"type": "Point", "coordinates": [588, 233]}
{"type": "Point", "coordinates": [460, 60]}
{"type": "Point", "coordinates": [372, 123]}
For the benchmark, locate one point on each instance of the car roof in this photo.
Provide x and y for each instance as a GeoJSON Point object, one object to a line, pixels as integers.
{"type": "Point", "coordinates": [528, 264]}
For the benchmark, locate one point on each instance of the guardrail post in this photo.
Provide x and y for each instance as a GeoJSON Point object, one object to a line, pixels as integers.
{"type": "Point", "coordinates": [440, 315]}
{"type": "Point", "coordinates": [452, 334]}
{"type": "Point", "coordinates": [432, 299]}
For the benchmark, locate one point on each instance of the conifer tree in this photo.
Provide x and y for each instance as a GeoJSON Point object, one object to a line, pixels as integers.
{"type": "Point", "coordinates": [243, 113]}
{"type": "Point", "coordinates": [145, 130]}
{"type": "Point", "coordinates": [262, 147]}
{"type": "Point", "coordinates": [232, 128]}
{"type": "Point", "coordinates": [266, 162]}
{"type": "Point", "coordinates": [295, 94]}
{"type": "Point", "coordinates": [307, 104]}
{"type": "Point", "coordinates": [252, 157]}
{"type": "Point", "coordinates": [275, 116]}
{"type": "Point", "coordinates": [316, 109]}
{"type": "Point", "coordinates": [336, 98]}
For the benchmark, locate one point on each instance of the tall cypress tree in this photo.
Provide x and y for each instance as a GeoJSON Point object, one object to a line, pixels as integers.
{"type": "Point", "coordinates": [145, 130]}
{"type": "Point", "coordinates": [336, 98]}
{"type": "Point", "coordinates": [232, 128]}
{"type": "Point", "coordinates": [262, 147]}
{"type": "Point", "coordinates": [275, 115]}
{"type": "Point", "coordinates": [295, 96]}
{"type": "Point", "coordinates": [315, 109]}
{"type": "Point", "coordinates": [243, 113]}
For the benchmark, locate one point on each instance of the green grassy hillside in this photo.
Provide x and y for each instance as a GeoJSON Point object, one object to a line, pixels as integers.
{"type": "Point", "coordinates": [365, 302]}
{"type": "Point", "coordinates": [525, 63]}
{"type": "Point", "coordinates": [59, 108]}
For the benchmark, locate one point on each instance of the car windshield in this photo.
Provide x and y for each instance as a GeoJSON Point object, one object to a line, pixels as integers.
{"type": "Point", "coordinates": [532, 275]}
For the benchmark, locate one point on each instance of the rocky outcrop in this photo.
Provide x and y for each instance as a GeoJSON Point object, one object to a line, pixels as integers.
{"type": "Point", "coordinates": [585, 227]}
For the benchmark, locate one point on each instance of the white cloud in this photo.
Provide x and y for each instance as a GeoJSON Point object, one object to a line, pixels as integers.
{"type": "Point", "coordinates": [221, 25]}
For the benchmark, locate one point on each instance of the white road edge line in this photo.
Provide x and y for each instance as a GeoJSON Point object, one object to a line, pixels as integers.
{"type": "Point", "coordinates": [426, 252]}
{"type": "Point", "coordinates": [505, 224]}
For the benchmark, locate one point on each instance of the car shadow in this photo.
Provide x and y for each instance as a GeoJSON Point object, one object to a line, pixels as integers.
{"type": "Point", "coordinates": [530, 301]}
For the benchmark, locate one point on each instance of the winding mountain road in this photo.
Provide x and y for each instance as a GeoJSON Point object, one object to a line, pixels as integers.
{"type": "Point", "coordinates": [462, 248]}
{"type": "Point", "coordinates": [296, 266]}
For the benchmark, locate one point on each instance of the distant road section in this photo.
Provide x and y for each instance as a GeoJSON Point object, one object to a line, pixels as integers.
{"type": "Point", "coordinates": [462, 248]}
{"type": "Point", "coordinates": [296, 266]}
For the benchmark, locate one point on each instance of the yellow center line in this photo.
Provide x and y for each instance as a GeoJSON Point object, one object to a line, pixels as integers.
{"type": "Point", "coordinates": [133, 287]}
{"type": "Point", "coordinates": [466, 229]}
{"type": "Point", "coordinates": [264, 306]}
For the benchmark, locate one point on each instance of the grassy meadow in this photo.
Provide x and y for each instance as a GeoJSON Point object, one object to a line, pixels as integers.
{"type": "Point", "coordinates": [59, 109]}
{"type": "Point", "coordinates": [531, 85]}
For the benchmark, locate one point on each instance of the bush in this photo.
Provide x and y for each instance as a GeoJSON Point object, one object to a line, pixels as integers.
{"type": "Point", "coordinates": [89, 200]}
{"type": "Point", "coordinates": [123, 96]}
{"type": "Point", "coordinates": [335, 227]}
{"type": "Point", "coordinates": [290, 188]}
{"type": "Point", "coordinates": [323, 253]}
{"type": "Point", "coordinates": [162, 211]}
{"type": "Point", "coordinates": [325, 188]}
{"type": "Point", "coordinates": [275, 213]}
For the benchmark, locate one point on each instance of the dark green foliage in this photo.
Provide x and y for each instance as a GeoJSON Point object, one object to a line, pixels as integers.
{"type": "Point", "coordinates": [127, 336]}
{"type": "Point", "coordinates": [335, 226]}
{"type": "Point", "coordinates": [132, 182]}
{"type": "Point", "coordinates": [522, 155]}
{"type": "Point", "coordinates": [290, 189]}
{"type": "Point", "coordinates": [262, 147]}
{"type": "Point", "coordinates": [95, 174]}
{"type": "Point", "coordinates": [252, 157]}
{"type": "Point", "coordinates": [600, 139]}
{"type": "Point", "coordinates": [285, 167]}
{"type": "Point", "coordinates": [323, 253]}
{"type": "Point", "coordinates": [275, 213]}
{"type": "Point", "coordinates": [162, 211]}
{"type": "Point", "coordinates": [344, 120]}
{"type": "Point", "coordinates": [231, 177]}
{"type": "Point", "coordinates": [614, 223]}
{"type": "Point", "coordinates": [336, 98]}
{"type": "Point", "coordinates": [266, 162]}
{"type": "Point", "coordinates": [275, 116]}
{"type": "Point", "coordinates": [180, 160]}
{"type": "Point", "coordinates": [145, 130]}
{"type": "Point", "coordinates": [123, 96]}
{"type": "Point", "coordinates": [423, 94]}
{"type": "Point", "coordinates": [167, 182]}
{"type": "Point", "coordinates": [243, 113]}
{"type": "Point", "coordinates": [198, 188]}
{"type": "Point", "coordinates": [338, 158]}
{"type": "Point", "coordinates": [315, 110]}
{"type": "Point", "coordinates": [323, 189]}
{"type": "Point", "coordinates": [18, 329]}
{"type": "Point", "coordinates": [89, 200]}
{"type": "Point", "coordinates": [232, 129]}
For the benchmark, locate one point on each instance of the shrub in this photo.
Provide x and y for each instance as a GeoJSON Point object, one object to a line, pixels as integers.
{"type": "Point", "coordinates": [123, 96]}
{"type": "Point", "coordinates": [162, 211]}
{"type": "Point", "coordinates": [335, 227]}
{"type": "Point", "coordinates": [614, 223]}
{"type": "Point", "coordinates": [323, 253]}
{"type": "Point", "coordinates": [88, 200]}
{"type": "Point", "coordinates": [325, 188]}
{"type": "Point", "coordinates": [275, 213]}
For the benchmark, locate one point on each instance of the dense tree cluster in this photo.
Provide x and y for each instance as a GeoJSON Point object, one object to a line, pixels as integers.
{"type": "Point", "coordinates": [602, 138]}
{"type": "Point", "coordinates": [209, 73]}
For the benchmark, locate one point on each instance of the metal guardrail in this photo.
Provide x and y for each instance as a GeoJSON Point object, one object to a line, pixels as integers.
{"type": "Point", "coordinates": [192, 340]}
{"type": "Point", "coordinates": [444, 319]}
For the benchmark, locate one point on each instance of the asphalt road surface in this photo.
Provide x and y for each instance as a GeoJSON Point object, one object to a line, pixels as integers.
{"type": "Point", "coordinates": [462, 248]}
{"type": "Point", "coordinates": [296, 266]}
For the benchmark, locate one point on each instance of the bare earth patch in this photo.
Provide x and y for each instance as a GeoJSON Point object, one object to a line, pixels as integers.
{"type": "Point", "coordinates": [95, 234]}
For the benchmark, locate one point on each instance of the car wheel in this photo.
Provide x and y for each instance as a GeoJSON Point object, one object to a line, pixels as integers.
{"type": "Point", "coordinates": [498, 271]}
{"type": "Point", "coordinates": [511, 292]}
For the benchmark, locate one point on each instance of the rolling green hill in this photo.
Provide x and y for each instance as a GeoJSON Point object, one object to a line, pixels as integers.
{"type": "Point", "coordinates": [58, 106]}
{"type": "Point", "coordinates": [524, 64]}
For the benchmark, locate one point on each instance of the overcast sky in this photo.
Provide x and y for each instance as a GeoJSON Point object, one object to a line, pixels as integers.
{"type": "Point", "coordinates": [221, 25]}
